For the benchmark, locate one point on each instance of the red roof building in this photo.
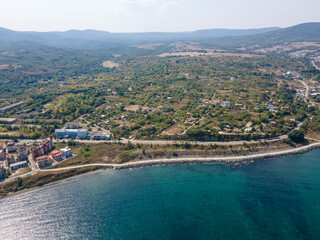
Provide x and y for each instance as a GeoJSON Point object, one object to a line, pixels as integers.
{"type": "Point", "coordinates": [56, 155]}
{"type": "Point", "coordinates": [43, 161]}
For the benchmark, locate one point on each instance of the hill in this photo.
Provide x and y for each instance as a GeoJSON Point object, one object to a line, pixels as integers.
{"type": "Point", "coordinates": [93, 38]}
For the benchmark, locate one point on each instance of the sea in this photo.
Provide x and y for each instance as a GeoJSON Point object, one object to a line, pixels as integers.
{"type": "Point", "coordinates": [269, 199]}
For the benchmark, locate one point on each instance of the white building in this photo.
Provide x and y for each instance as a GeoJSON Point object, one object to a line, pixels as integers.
{"type": "Point", "coordinates": [66, 152]}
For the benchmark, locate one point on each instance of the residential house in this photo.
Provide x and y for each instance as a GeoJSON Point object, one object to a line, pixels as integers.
{"type": "Point", "coordinates": [2, 146]}
{"type": "Point", "coordinates": [99, 135]}
{"type": "Point", "coordinates": [45, 147]}
{"type": "Point", "coordinates": [11, 147]}
{"type": "Point", "coordinates": [66, 152]}
{"type": "Point", "coordinates": [226, 103]}
{"type": "Point", "coordinates": [273, 123]}
{"type": "Point", "coordinates": [10, 159]}
{"type": "Point", "coordinates": [2, 155]}
{"type": "Point", "coordinates": [216, 102]}
{"type": "Point", "coordinates": [56, 155]}
{"type": "Point", "coordinates": [72, 125]}
{"type": "Point", "coordinates": [22, 153]}
{"type": "Point", "coordinates": [18, 165]}
{"type": "Point", "coordinates": [2, 171]}
{"type": "Point", "coordinates": [42, 161]}
{"type": "Point", "coordinates": [271, 107]}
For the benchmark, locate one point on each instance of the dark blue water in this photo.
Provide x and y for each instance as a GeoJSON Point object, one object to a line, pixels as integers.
{"type": "Point", "coordinates": [270, 199]}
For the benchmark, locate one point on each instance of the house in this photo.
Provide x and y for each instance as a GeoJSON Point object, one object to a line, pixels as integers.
{"type": "Point", "coordinates": [11, 147]}
{"type": "Point", "coordinates": [18, 165]}
{"type": "Point", "coordinates": [285, 108]}
{"type": "Point", "coordinates": [72, 133]}
{"type": "Point", "coordinates": [10, 159]}
{"type": "Point", "coordinates": [66, 152]}
{"type": "Point", "coordinates": [121, 127]}
{"type": "Point", "coordinates": [2, 171]}
{"type": "Point", "coordinates": [216, 102]}
{"type": "Point", "coordinates": [270, 107]}
{"type": "Point", "coordinates": [236, 130]}
{"type": "Point", "coordinates": [56, 155]}
{"type": "Point", "coordinates": [45, 147]}
{"type": "Point", "coordinates": [72, 125]}
{"type": "Point", "coordinates": [2, 155]}
{"type": "Point", "coordinates": [226, 103]}
{"type": "Point", "coordinates": [99, 135]}
{"type": "Point", "coordinates": [249, 124]}
{"type": "Point", "coordinates": [43, 161]}
{"type": "Point", "coordinates": [2, 146]}
{"type": "Point", "coordinates": [273, 123]}
{"type": "Point", "coordinates": [22, 153]}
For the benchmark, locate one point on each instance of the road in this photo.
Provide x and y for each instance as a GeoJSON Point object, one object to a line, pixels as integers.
{"type": "Point", "coordinates": [164, 142]}
{"type": "Point", "coordinates": [315, 65]}
{"type": "Point", "coordinates": [183, 160]}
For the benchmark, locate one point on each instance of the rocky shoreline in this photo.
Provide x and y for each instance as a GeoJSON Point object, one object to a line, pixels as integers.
{"type": "Point", "coordinates": [149, 163]}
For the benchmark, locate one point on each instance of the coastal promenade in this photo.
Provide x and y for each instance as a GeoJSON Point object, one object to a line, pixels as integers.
{"type": "Point", "coordinates": [229, 159]}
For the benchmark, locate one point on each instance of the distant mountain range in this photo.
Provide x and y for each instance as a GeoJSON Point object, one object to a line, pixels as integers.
{"type": "Point", "coordinates": [229, 37]}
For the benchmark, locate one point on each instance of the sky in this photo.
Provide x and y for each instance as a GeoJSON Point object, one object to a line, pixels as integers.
{"type": "Point", "coordinates": [154, 15]}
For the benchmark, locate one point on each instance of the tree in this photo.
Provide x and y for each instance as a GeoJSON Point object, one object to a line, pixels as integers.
{"type": "Point", "coordinates": [297, 136]}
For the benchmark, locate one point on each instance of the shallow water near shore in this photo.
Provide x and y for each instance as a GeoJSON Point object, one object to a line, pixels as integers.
{"type": "Point", "coordinates": [270, 199]}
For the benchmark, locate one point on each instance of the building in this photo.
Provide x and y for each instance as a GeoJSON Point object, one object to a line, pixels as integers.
{"type": "Point", "coordinates": [72, 133]}
{"type": "Point", "coordinates": [45, 147]}
{"type": "Point", "coordinates": [22, 153]}
{"type": "Point", "coordinates": [2, 155]}
{"type": "Point", "coordinates": [226, 103]}
{"type": "Point", "coordinates": [56, 155]}
{"type": "Point", "coordinates": [2, 146]}
{"type": "Point", "coordinates": [66, 152]}
{"type": "Point", "coordinates": [18, 165]}
{"type": "Point", "coordinates": [270, 107]}
{"type": "Point", "coordinates": [99, 135]}
{"type": "Point", "coordinates": [11, 147]}
{"type": "Point", "coordinates": [273, 123]}
{"type": "Point", "coordinates": [2, 171]}
{"type": "Point", "coordinates": [7, 108]}
{"type": "Point", "coordinates": [72, 125]}
{"type": "Point", "coordinates": [10, 159]}
{"type": "Point", "coordinates": [43, 161]}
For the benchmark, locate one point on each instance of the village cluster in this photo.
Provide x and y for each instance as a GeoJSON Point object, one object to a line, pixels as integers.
{"type": "Point", "coordinates": [14, 156]}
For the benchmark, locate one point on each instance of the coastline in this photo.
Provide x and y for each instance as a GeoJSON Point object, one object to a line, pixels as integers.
{"type": "Point", "coordinates": [173, 161]}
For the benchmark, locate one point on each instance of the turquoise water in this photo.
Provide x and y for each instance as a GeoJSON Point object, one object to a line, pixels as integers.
{"type": "Point", "coordinates": [270, 199]}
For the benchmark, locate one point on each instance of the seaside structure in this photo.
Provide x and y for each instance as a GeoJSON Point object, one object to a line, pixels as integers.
{"type": "Point", "coordinates": [56, 155]}
{"type": "Point", "coordinates": [45, 147]}
{"type": "Point", "coordinates": [72, 133]}
{"type": "Point", "coordinates": [43, 161]}
{"type": "Point", "coordinates": [22, 153]}
{"type": "Point", "coordinates": [18, 165]}
{"type": "Point", "coordinates": [7, 108]}
{"type": "Point", "coordinates": [11, 147]}
{"type": "Point", "coordinates": [66, 152]}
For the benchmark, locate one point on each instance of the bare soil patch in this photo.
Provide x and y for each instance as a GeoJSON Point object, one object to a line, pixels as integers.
{"type": "Point", "coordinates": [110, 64]}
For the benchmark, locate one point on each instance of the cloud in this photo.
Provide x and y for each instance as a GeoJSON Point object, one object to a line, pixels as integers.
{"type": "Point", "coordinates": [168, 6]}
